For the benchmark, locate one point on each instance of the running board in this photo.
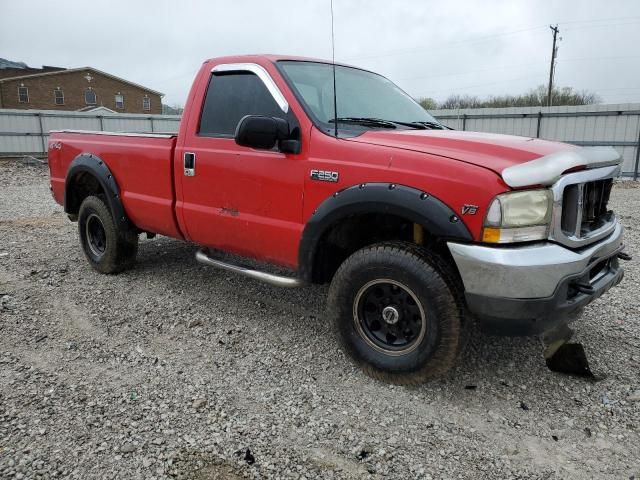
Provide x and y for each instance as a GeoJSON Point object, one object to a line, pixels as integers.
{"type": "Point", "coordinates": [277, 280]}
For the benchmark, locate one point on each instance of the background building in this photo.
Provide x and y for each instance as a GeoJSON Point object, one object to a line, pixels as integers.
{"type": "Point", "coordinates": [56, 88]}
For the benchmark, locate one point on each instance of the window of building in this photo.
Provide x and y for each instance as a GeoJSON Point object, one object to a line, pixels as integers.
{"type": "Point", "coordinates": [58, 95]}
{"type": "Point", "coordinates": [90, 97]}
{"type": "Point", "coordinates": [146, 103]}
{"type": "Point", "coordinates": [23, 94]}
{"type": "Point", "coordinates": [231, 96]}
{"type": "Point", "coordinates": [119, 100]}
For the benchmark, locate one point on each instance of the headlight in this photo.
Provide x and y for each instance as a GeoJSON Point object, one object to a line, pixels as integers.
{"type": "Point", "coordinates": [518, 217]}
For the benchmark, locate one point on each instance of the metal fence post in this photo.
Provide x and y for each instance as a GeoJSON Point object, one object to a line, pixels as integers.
{"type": "Point", "coordinates": [101, 117]}
{"type": "Point", "coordinates": [151, 120]}
{"type": "Point", "coordinates": [539, 122]}
{"type": "Point", "coordinates": [635, 168]}
{"type": "Point", "coordinates": [464, 121]}
{"type": "Point", "coordinates": [44, 142]}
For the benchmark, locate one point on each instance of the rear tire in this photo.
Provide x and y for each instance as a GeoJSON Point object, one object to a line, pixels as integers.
{"type": "Point", "coordinates": [399, 312]}
{"type": "Point", "coordinates": [108, 249]}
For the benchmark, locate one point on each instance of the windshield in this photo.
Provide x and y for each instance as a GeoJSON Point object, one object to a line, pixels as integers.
{"type": "Point", "coordinates": [360, 95]}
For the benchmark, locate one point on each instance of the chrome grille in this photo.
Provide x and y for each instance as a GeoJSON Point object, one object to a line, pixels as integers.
{"type": "Point", "coordinates": [584, 207]}
{"type": "Point", "coordinates": [580, 207]}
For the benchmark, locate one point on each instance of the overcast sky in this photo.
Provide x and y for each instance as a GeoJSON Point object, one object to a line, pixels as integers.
{"type": "Point", "coordinates": [429, 48]}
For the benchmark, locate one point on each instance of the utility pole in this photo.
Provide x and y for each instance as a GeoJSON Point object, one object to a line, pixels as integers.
{"type": "Point", "coordinates": [554, 52]}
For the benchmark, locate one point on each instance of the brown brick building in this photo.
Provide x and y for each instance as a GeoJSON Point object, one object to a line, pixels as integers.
{"type": "Point", "coordinates": [54, 88]}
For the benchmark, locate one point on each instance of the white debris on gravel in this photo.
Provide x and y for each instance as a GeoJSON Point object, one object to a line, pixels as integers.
{"type": "Point", "coordinates": [108, 376]}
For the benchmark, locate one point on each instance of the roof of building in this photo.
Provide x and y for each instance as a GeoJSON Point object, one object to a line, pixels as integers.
{"type": "Point", "coordinates": [4, 63]}
{"type": "Point", "coordinates": [98, 109]}
{"type": "Point", "coordinates": [82, 69]}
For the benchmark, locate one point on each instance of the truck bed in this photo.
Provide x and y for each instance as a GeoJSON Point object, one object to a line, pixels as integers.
{"type": "Point", "coordinates": [141, 164]}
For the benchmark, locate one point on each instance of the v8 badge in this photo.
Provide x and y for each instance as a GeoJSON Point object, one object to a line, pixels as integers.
{"type": "Point", "coordinates": [469, 209]}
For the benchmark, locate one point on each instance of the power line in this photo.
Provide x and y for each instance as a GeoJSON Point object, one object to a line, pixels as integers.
{"type": "Point", "coordinates": [599, 25]}
{"type": "Point", "coordinates": [580, 24]}
{"type": "Point", "coordinates": [509, 66]}
{"type": "Point", "coordinates": [441, 44]}
{"type": "Point", "coordinates": [598, 20]}
{"type": "Point", "coordinates": [527, 77]}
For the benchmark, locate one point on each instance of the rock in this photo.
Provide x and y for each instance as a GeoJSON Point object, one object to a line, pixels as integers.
{"type": "Point", "coordinates": [249, 458]}
{"type": "Point", "coordinates": [634, 397]}
{"type": "Point", "coordinates": [198, 403]}
{"type": "Point", "coordinates": [128, 448]}
{"type": "Point", "coordinates": [194, 323]}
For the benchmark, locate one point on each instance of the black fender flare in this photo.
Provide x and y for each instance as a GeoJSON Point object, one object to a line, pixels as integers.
{"type": "Point", "coordinates": [415, 205]}
{"type": "Point", "coordinates": [94, 166]}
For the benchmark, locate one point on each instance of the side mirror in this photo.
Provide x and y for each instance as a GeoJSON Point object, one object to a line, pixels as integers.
{"type": "Point", "coordinates": [260, 132]}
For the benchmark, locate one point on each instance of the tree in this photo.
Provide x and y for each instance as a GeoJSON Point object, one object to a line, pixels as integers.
{"type": "Point", "coordinates": [428, 103]}
{"type": "Point", "coordinates": [533, 98]}
{"type": "Point", "coordinates": [461, 101]}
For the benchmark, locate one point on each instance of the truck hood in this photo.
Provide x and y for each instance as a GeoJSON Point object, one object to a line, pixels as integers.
{"type": "Point", "coordinates": [493, 151]}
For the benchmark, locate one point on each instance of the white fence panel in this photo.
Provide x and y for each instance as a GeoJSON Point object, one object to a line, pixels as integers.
{"type": "Point", "coordinates": [27, 131]}
{"type": "Point", "coordinates": [590, 125]}
{"type": "Point", "coordinates": [68, 122]}
{"type": "Point", "coordinates": [120, 124]}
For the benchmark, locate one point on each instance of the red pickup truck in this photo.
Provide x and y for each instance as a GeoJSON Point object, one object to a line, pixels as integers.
{"type": "Point", "coordinates": [420, 229]}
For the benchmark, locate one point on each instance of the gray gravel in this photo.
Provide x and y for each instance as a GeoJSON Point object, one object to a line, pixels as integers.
{"type": "Point", "coordinates": [177, 370]}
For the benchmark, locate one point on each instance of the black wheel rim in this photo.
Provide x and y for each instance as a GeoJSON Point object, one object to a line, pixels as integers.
{"type": "Point", "coordinates": [389, 316]}
{"type": "Point", "coordinates": [96, 235]}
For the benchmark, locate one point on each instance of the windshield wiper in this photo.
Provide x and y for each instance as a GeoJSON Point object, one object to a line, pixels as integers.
{"type": "Point", "coordinates": [434, 125]}
{"type": "Point", "coordinates": [366, 121]}
{"type": "Point", "coordinates": [417, 125]}
{"type": "Point", "coordinates": [379, 122]}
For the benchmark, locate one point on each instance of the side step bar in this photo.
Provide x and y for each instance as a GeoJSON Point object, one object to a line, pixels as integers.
{"type": "Point", "coordinates": [277, 280]}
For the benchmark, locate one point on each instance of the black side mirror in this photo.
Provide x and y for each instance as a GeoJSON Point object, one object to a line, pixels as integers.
{"type": "Point", "coordinates": [260, 132]}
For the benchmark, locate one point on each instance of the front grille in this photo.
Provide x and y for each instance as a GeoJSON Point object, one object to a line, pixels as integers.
{"type": "Point", "coordinates": [584, 208]}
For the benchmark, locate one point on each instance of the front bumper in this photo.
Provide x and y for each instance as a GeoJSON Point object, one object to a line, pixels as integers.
{"type": "Point", "coordinates": [525, 290]}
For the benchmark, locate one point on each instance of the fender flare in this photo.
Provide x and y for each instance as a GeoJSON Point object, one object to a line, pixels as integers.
{"type": "Point", "coordinates": [415, 205]}
{"type": "Point", "coordinates": [94, 166]}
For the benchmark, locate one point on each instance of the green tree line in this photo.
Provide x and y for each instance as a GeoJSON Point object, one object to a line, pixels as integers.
{"type": "Point", "coordinates": [536, 97]}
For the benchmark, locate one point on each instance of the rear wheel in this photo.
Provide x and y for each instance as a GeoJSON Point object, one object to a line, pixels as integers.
{"type": "Point", "coordinates": [107, 248]}
{"type": "Point", "coordinates": [398, 312]}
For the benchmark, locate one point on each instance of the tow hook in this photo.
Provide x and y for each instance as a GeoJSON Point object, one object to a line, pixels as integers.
{"type": "Point", "coordinates": [584, 288]}
{"type": "Point", "coordinates": [624, 256]}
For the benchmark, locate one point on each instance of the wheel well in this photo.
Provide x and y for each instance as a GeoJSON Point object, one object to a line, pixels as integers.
{"type": "Point", "coordinates": [80, 187]}
{"type": "Point", "coordinates": [352, 233]}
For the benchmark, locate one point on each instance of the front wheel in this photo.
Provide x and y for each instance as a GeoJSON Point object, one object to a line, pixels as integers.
{"type": "Point", "coordinates": [397, 311]}
{"type": "Point", "coordinates": [107, 248]}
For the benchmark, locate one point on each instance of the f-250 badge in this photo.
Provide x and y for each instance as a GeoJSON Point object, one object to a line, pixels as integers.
{"type": "Point", "coordinates": [469, 209]}
{"type": "Point", "coordinates": [324, 175]}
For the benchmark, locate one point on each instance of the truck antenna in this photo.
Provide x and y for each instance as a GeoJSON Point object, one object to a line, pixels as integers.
{"type": "Point", "coordinates": [333, 61]}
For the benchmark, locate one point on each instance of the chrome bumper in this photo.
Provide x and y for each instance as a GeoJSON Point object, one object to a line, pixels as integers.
{"type": "Point", "coordinates": [527, 272]}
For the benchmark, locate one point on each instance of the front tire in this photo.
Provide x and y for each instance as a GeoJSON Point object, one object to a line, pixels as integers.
{"type": "Point", "coordinates": [398, 311]}
{"type": "Point", "coordinates": [107, 248]}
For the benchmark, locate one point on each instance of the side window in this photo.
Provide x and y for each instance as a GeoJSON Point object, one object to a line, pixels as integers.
{"type": "Point", "coordinates": [231, 96]}
{"type": "Point", "coordinates": [23, 94]}
{"type": "Point", "coordinates": [119, 100]}
{"type": "Point", "coordinates": [58, 95]}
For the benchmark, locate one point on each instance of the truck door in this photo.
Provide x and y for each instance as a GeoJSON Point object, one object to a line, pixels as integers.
{"type": "Point", "coordinates": [236, 198]}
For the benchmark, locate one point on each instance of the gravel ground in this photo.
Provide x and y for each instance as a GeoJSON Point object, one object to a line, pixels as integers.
{"type": "Point", "coordinates": [178, 370]}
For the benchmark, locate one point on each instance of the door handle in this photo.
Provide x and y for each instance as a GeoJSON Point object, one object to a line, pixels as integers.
{"type": "Point", "coordinates": [189, 164]}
